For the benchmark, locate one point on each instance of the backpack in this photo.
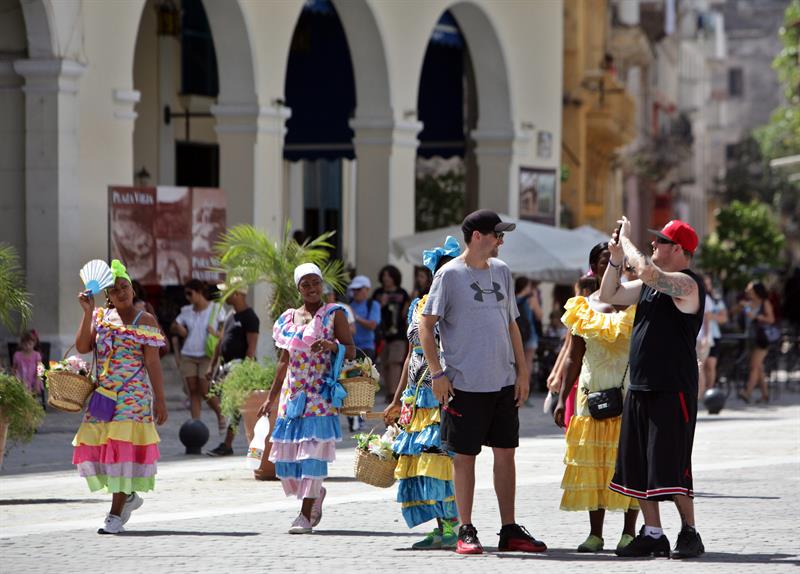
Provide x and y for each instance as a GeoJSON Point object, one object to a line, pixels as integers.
{"type": "Point", "coordinates": [380, 339]}
{"type": "Point", "coordinates": [524, 324]}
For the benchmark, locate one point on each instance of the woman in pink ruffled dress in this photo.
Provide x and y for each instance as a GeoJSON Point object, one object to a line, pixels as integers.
{"type": "Point", "coordinates": [313, 339]}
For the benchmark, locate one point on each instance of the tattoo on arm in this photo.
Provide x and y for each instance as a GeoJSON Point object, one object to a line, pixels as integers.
{"type": "Point", "coordinates": [673, 284]}
{"type": "Point", "coordinates": [636, 258]}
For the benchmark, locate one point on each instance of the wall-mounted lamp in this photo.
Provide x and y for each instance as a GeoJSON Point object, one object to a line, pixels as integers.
{"type": "Point", "coordinates": [142, 177]}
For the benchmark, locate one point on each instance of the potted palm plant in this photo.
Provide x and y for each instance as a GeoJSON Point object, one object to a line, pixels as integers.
{"type": "Point", "coordinates": [249, 253]}
{"type": "Point", "coordinates": [13, 297]}
{"type": "Point", "coordinates": [20, 412]}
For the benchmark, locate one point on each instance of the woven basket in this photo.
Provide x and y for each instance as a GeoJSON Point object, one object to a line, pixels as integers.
{"type": "Point", "coordinates": [370, 469]}
{"type": "Point", "coordinates": [68, 391]}
{"type": "Point", "coordinates": [360, 395]}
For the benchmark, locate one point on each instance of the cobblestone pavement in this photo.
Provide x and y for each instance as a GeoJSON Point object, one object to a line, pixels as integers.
{"type": "Point", "coordinates": [209, 515]}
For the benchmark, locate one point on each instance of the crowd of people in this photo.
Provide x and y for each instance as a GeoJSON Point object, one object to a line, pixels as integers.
{"type": "Point", "coordinates": [641, 338]}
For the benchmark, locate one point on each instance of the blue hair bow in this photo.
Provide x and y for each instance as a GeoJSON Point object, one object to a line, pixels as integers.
{"type": "Point", "coordinates": [431, 257]}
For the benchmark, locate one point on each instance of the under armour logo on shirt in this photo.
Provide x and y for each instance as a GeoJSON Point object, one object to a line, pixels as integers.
{"type": "Point", "coordinates": [480, 292]}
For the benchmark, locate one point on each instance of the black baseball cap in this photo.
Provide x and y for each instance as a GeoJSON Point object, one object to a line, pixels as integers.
{"type": "Point", "coordinates": [485, 221]}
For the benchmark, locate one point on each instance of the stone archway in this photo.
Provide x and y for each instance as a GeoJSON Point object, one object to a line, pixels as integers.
{"type": "Point", "coordinates": [495, 136]}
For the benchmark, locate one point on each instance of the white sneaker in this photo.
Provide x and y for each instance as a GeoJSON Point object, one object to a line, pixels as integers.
{"type": "Point", "coordinates": [357, 424]}
{"type": "Point", "coordinates": [133, 502]}
{"type": "Point", "coordinates": [112, 525]}
{"type": "Point", "coordinates": [301, 525]}
{"type": "Point", "coordinates": [316, 508]}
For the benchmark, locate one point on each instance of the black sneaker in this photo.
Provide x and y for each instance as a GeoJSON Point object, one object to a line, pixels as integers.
{"type": "Point", "coordinates": [689, 544]}
{"type": "Point", "coordinates": [643, 546]}
{"type": "Point", "coordinates": [221, 450]}
{"type": "Point", "coordinates": [468, 542]}
{"type": "Point", "coordinates": [516, 538]}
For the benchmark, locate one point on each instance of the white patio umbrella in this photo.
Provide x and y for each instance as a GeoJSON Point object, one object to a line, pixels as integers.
{"type": "Point", "coordinates": [539, 251]}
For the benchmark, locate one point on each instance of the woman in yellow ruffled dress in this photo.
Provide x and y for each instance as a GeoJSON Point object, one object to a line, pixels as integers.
{"type": "Point", "coordinates": [600, 341]}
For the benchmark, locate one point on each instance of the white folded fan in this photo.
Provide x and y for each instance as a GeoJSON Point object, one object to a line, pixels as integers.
{"type": "Point", "coordinates": [256, 450]}
{"type": "Point", "coordinates": [96, 276]}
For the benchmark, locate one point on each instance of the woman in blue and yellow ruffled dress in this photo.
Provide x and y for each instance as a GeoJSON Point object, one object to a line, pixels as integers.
{"type": "Point", "coordinates": [601, 339]}
{"type": "Point", "coordinates": [425, 472]}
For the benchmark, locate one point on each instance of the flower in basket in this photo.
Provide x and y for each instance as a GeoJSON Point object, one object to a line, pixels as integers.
{"type": "Point", "coordinates": [363, 367]}
{"type": "Point", "coordinates": [72, 364]}
{"type": "Point", "coordinates": [380, 446]}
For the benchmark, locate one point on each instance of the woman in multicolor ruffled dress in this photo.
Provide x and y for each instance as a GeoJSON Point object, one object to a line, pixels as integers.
{"type": "Point", "coordinates": [425, 472]}
{"type": "Point", "coordinates": [312, 339]}
{"type": "Point", "coordinates": [116, 446]}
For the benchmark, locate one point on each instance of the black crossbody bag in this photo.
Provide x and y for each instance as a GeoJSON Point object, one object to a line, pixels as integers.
{"type": "Point", "coordinates": [607, 403]}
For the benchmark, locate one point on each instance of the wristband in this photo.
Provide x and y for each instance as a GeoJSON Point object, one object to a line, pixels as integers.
{"type": "Point", "coordinates": [612, 264]}
{"type": "Point", "coordinates": [438, 375]}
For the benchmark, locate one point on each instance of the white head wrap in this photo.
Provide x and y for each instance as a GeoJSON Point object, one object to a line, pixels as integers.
{"type": "Point", "coordinates": [305, 269]}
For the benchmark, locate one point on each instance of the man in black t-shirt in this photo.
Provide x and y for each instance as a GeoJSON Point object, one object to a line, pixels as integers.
{"type": "Point", "coordinates": [654, 458]}
{"type": "Point", "coordinates": [238, 342]}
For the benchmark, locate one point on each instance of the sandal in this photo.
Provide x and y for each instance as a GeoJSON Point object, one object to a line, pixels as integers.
{"type": "Point", "coordinates": [742, 395]}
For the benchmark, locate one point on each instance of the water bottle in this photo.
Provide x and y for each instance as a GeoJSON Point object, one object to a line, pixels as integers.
{"type": "Point", "coordinates": [256, 450]}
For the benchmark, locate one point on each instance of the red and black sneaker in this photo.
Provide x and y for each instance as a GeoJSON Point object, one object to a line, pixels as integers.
{"type": "Point", "coordinates": [516, 538]}
{"type": "Point", "coordinates": [468, 542]}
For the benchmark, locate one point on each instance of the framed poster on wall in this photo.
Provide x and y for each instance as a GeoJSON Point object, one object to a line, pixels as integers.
{"type": "Point", "coordinates": [537, 195]}
{"type": "Point", "coordinates": [165, 235]}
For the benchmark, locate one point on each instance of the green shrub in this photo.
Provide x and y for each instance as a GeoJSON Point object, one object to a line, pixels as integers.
{"type": "Point", "coordinates": [20, 408]}
{"type": "Point", "coordinates": [244, 378]}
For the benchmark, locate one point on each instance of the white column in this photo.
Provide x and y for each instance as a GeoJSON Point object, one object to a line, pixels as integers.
{"type": "Point", "coordinates": [12, 160]}
{"type": "Point", "coordinates": [386, 154]}
{"type": "Point", "coordinates": [497, 153]}
{"type": "Point", "coordinates": [52, 194]}
{"type": "Point", "coordinates": [168, 50]}
{"type": "Point", "coordinates": [251, 174]}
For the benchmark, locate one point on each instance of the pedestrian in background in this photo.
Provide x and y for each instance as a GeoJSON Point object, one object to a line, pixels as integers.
{"type": "Point", "coordinates": [654, 459]}
{"type": "Point", "coordinates": [394, 301]}
{"type": "Point", "coordinates": [116, 446]}
{"type": "Point", "coordinates": [196, 322]}
{"type": "Point", "coordinates": [485, 374]}
{"type": "Point", "coordinates": [367, 313]}
{"type": "Point", "coordinates": [762, 333]}
{"type": "Point", "coordinates": [238, 342]}
{"type": "Point", "coordinates": [25, 364]}
{"type": "Point", "coordinates": [718, 316]}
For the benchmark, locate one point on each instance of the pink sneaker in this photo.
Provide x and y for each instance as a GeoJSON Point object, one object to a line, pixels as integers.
{"type": "Point", "coordinates": [316, 508]}
{"type": "Point", "coordinates": [301, 525]}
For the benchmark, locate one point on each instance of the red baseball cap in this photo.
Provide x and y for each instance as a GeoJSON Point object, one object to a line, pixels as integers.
{"type": "Point", "coordinates": [680, 233]}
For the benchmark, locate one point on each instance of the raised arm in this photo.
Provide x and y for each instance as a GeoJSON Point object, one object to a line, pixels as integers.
{"type": "Point", "coordinates": [612, 290]}
{"type": "Point", "coordinates": [676, 284]}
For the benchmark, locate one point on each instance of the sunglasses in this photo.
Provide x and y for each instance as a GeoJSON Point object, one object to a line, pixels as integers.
{"type": "Point", "coordinates": [499, 234]}
{"type": "Point", "coordinates": [663, 241]}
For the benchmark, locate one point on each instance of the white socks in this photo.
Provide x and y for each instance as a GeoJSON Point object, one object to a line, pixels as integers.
{"type": "Point", "coordinates": [653, 531]}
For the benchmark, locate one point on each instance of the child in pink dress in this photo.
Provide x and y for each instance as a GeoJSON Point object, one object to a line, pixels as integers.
{"type": "Point", "coordinates": [25, 363]}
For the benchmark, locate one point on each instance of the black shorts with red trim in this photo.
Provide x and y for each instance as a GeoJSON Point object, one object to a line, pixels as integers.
{"type": "Point", "coordinates": [654, 458]}
{"type": "Point", "coordinates": [472, 420]}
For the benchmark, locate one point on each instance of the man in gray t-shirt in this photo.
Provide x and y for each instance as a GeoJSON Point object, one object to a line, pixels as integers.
{"type": "Point", "coordinates": [475, 308]}
{"type": "Point", "coordinates": [486, 379]}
